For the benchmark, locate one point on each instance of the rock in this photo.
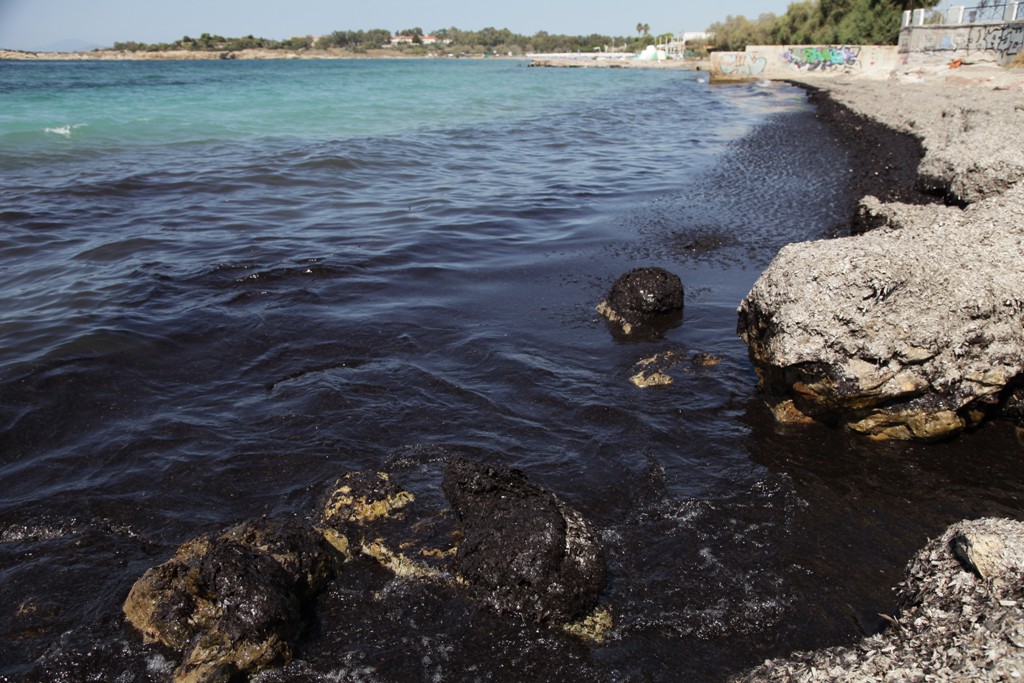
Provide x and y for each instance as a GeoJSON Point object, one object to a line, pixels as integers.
{"type": "Point", "coordinates": [706, 360]}
{"type": "Point", "coordinates": [361, 497]}
{"type": "Point", "coordinates": [234, 603]}
{"type": "Point", "coordinates": [957, 621]}
{"type": "Point", "coordinates": [365, 512]}
{"type": "Point", "coordinates": [660, 369]}
{"type": "Point", "coordinates": [653, 371]}
{"type": "Point", "coordinates": [512, 545]}
{"type": "Point", "coordinates": [911, 331]}
{"type": "Point", "coordinates": [644, 299]}
{"type": "Point", "coordinates": [524, 551]}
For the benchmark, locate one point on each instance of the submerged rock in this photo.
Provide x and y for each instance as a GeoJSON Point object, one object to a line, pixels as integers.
{"type": "Point", "coordinates": [644, 299]}
{"type": "Point", "coordinates": [367, 513]}
{"type": "Point", "coordinates": [363, 497]}
{"type": "Point", "coordinates": [233, 603]}
{"type": "Point", "coordinates": [508, 543]}
{"type": "Point", "coordinates": [524, 551]}
{"type": "Point", "coordinates": [962, 617]}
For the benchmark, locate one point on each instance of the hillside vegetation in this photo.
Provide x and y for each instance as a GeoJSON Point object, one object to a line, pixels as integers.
{"type": "Point", "coordinates": [448, 40]}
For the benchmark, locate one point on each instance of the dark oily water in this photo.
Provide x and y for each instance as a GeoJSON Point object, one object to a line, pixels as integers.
{"type": "Point", "coordinates": [214, 327]}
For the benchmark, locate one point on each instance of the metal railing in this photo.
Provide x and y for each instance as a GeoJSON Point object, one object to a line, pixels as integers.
{"type": "Point", "coordinates": [986, 12]}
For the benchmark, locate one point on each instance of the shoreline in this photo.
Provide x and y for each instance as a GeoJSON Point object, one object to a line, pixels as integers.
{"type": "Point", "coordinates": [957, 211]}
{"type": "Point", "coordinates": [607, 62]}
{"type": "Point", "coordinates": [570, 60]}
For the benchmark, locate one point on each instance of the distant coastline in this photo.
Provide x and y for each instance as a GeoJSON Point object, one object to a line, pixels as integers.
{"type": "Point", "coordinates": [163, 55]}
{"type": "Point", "coordinates": [566, 60]}
{"type": "Point", "coordinates": [582, 60]}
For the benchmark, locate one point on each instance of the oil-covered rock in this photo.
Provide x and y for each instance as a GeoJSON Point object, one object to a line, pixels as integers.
{"type": "Point", "coordinates": [233, 603]}
{"type": "Point", "coordinates": [524, 550]}
{"type": "Point", "coordinates": [644, 301]}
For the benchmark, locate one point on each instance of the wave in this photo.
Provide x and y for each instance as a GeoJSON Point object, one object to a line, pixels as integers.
{"type": "Point", "coordinates": [66, 130]}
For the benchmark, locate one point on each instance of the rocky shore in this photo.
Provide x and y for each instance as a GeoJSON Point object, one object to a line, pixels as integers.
{"type": "Point", "coordinates": [961, 618]}
{"type": "Point", "coordinates": [914, 330]}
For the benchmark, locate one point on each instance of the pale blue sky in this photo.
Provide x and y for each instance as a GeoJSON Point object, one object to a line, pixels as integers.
{"type": "Point", "coordinates": [34, 24]}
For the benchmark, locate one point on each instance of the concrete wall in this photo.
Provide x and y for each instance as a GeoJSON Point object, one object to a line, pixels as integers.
{"type": "Point", "coordinates": [994, 43]}
{"type": "Point", "coordinates": [976, 43]}
{"type": "Point", "coordinates": [783, 61]}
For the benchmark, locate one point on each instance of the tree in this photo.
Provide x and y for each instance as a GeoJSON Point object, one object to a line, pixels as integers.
{"type": "Point", "coordinates": [737, 32]}
{"type": "Point", "coordinates": [822, 22]}
{"type": "Point", "coordinates": [376, 37]}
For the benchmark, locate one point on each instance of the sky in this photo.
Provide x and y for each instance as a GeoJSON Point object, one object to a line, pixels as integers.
{"type": "Point", "coordinates": [40, 24]}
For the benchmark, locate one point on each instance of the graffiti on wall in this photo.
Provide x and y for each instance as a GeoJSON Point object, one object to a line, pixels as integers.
{"type": "Point", "coordinates": [822, 58]}
{"type": "Point", "coordinates": [1005, 40]}
{"type": "Point", "coordinates": [741, 64]}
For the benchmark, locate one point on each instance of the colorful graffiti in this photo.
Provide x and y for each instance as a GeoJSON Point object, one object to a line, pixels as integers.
{"type": "Point", "coordinates": [822, 58]}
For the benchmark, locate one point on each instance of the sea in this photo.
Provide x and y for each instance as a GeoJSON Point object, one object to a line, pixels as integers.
{"type": "Point", "coordinates": [223, 284]}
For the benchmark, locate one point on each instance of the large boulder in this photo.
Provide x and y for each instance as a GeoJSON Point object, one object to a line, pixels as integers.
{"type": "Point", "coordinates": [961, 617]}
{"type": "Point", "coordinates": [232, 603]}
{"type": "Point", "coordinates": [914, 330]}
{"type": "Point", "coordinates": [524, 551]}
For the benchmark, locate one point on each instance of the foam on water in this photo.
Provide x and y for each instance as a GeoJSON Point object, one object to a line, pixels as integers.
{"type": "Point", "coordinates": [64, 131]}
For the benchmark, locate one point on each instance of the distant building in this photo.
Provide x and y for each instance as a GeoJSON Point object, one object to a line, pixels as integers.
{"type": "Point", "coordinates": [397, 41]}
{"type": "Point", "coordinates": [677, 45]}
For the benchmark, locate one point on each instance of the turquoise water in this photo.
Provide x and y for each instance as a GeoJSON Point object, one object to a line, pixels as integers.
{"type": "Point", "coordinates": [223, 284]}
{"type": "Point", "coordinates": [159, 102]}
